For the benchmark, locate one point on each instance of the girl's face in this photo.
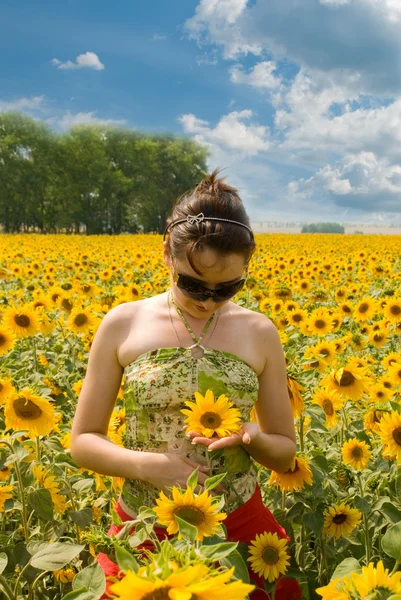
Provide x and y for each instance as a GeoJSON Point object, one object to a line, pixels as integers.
{"type": "Point", "coordinates": [217, 271]}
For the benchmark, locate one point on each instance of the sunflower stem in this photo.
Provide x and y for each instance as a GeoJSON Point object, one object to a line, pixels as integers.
{"type": "Point", "coordinates": [37, 448]}
{"type": "Point", "coordinates": [35, 358]}
{"type": "Point", "coordinates": [283, 500]}
{"type": "Point", "coordinates": [365, 521]}
{"type": "Point", "coordinates": [21, 490]}
{"type": "Point", "coordinates": [397, 564]}
{"type": "Point", "coordinates": [301, 434]}
{"type": "Point", "coordinates": [74, 508]}
{"type": "Point", "coordinates": [6, 588]}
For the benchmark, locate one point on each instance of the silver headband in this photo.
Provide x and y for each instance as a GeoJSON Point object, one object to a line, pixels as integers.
{"type": "Point", "coordinates": [192, 219]}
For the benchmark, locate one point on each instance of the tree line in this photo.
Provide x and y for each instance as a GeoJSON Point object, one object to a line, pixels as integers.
{"type": "Point", "coordinates": [323, 228]}
{"type": "Point", "coordinates": [93, 178]}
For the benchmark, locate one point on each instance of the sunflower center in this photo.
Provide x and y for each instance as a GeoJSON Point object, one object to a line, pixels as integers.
{"type": "Point", "coordinates": [347, 378]}
{"type": "Point", "coordinates": [159, 594]}
{"type": "Point", "coordinates": [26, 409]}
{"type": "Point", "coordinates": [377, 337]}
{"type": "Point", "coordinates": [297, 317]}
{"type": "Point", "coordinates": [357, 452]}
{"type": "Point", "coordinates": [80, 320]}
{"type": "Point", "coordinates": [397, 436]}
{"type": "Point", "coordinates": [193, 515]}
{"type": "Point", "coordinates": [3, 339]}
{"type": "Point", "coordinates": [328, 407]}
{"type": "Point", "coordinates": [377, 416]}
{"type": "Point", "coordinates": [346, 309]}
{"type": "Point", "coordinates": [22, 320]}
{"type": "Point", "coordinates": [364, 307]}
{"type": "Point", "coordinates": [319, 324]}
{"type": "Point", "coordinates": [294, 470]}
{"type": "Point", "coordinates": [65, 303]}
{"type": "Point", "coordinates": [210, 420]}
{"type": "Point", "coordinates": [339, 519]}
{"type": "Point", "coordinates": [270, 556]}
{"type": "Point", "coordinates": [395, 310]}
{"type": "Point", "coordinates": [1, 385]}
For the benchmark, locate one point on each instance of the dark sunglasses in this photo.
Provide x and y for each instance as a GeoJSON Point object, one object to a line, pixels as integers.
{"type": "Point", "coordinates": [194, 289]}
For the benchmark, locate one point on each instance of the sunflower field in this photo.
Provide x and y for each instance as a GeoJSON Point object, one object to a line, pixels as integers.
{"type": "Point", "coordinates": [336, 302]}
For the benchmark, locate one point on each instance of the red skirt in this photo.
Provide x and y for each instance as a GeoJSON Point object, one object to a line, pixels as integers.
{"type": "Point", "coordinates": [243, 524]}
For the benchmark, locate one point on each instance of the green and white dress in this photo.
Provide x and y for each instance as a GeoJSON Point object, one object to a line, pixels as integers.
{"type": "Point", "coordinates": [156, 386]}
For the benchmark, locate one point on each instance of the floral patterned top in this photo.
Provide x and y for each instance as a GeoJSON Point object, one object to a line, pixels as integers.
{"type": "Point", "coordinates": [156, 385]}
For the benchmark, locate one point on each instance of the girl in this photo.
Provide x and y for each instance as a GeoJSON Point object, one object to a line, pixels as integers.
{"type": "Point", "coordinates": [191, 338]}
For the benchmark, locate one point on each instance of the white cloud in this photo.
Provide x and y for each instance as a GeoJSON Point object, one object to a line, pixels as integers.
{"type": "Point", "coordinates": [368, 182]}
{"type": "Point", "coordinates": [261, 76]}
{"type": "Point", "coordinates": [231, 132]}
{"type": "Point", "coordinates": [220, 20]}
{"type": "Point", "coordinates": [36, 103]}
{"type": "Point", "coordinates": [88, 60]}
{"type": "Point", "coordinates": [158, 37]}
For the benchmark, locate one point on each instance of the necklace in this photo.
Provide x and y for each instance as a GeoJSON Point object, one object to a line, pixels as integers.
{"type": "Point", "coordinates": [197, 350]}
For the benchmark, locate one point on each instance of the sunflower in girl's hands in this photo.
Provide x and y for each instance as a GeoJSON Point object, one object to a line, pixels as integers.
{"type": "Point", "coordinates": [215, 423]}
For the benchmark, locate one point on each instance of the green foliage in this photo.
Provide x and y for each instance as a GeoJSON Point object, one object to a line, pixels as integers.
{"type": "Point", "coordinates": [323, 228]}
{"type": "Point", "coordinates": [96, 179]}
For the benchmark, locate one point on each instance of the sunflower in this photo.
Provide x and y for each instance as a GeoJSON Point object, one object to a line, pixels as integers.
{"type": "Point", "coordinates": [378, 337]}
{"type": "Point", "coordinates": [392, 310]}
{"type": "Point", "coordinates": [376, 578]}
{"type": "Point", "coordinates": [5, 494]}
{"type": "Point", "coordinates": [7, 340]}
{"type": "Point", "coordinates": [25, 410]}
{"type": "Point", "coordinates": [182, 584]}
{"type": "Point", "coordinates": [314, 362]}
{"type": "Point", "coordinates": [296, 316]}
{"type": "Point", "coordinates": [81, 320]}
{"type": "Point", "coordinates": [345, 309]}
{"type": "Point", "coordinates": [349, 382]}
{"type": "Point", "coordinates": [394, 372]}
{"type": "Point", "coordinates": [390, 433]}
{"type": "Point", "coordinates": [340, 520]}
{"type": "Point", "coordinates": [49, 482]}
{"type": "Point", "coordinates": [378, 393]}
{"type": "Point", "coordinates": [294, 391]}
{"type": "Point", "coordinates": [268, 556]}
{"type": "Point", "coordinates": [319, 322]}
{"type": "Point", "coordinates": [295, 477]}
{"type": "Point", "coordinates": [365, 310]}
{"type": "Point", "coordinates": [200, 511]}
{"type": "Point", "coordinates": [337, 589]}
{"type": "Point", "coordinates": [373, 418]}
{"type": "Point", "coordinates": [6, 387]}
{"type": "Point", "coordinates": [327, 349]}
{"type": "Point", "coordinates": [5, 472]}
{"type": "Point", "coordinates": [330, 403]}
{"type": "Point", "coordinates": [356, 454]}
{"type": "Point", "coordinates": [390, 359]}
{"type": "Point", "coordinates": [21, 321]}
{"type": "Point", "coordinates": [208, 417]}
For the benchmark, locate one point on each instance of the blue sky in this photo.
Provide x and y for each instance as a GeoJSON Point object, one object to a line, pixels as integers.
{"type": "Point", "coordinates": [299, 100]}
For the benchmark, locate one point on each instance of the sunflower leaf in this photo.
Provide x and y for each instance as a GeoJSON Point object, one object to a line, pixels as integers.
{"type": "Point", "coordinates": [347, 566]}
{"type": "Point", "coordinates": [192, 480]}
{"type": "Point", "coordinates": [93, 578]}
{"type": "Point", "coordinates": [235, 560]}
{"type": "Point", "coordinates": [55, 556]}
{"type": "Point", "coordinates": [219, 551]}
{"type": "Point", "coordinates": [188, 531]}
{"type": "Point", "coordinates": [41, 502]}
{"type": "Point", "coordinates": [3, 561]}
{"type": "Point", "coordinates": [391, 542]}
{"type": "Point", "coordinates": [125, 560]}
{"type": "Point", "coordinates": [212, 482]}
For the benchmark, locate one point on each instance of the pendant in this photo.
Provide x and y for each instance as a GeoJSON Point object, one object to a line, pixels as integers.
{"type": "Point", "coordinates": [197, 350]}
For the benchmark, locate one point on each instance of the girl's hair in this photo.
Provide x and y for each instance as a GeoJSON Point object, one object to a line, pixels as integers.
{"type": "Point", "coordinates": [214, 198]}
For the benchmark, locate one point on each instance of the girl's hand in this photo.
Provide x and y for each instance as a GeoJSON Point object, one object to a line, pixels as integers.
{"type": "Point", "coordinates": [247, 433]}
